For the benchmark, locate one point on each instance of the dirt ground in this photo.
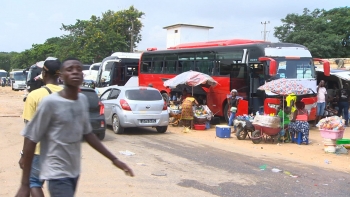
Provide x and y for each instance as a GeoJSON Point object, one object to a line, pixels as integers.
{"type": "Point", "coordinates": [11, 143]}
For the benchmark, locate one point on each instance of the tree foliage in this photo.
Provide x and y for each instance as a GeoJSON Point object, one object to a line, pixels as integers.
{"type": "Point", "coordinates": [320, 30]}
{"type": "Point", "coordinates": [89, 40]}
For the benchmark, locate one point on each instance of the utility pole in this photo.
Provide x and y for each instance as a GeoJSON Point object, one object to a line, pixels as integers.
{"type": "Point", "coordinates": [265, 32]}
{"type": "Point", "coordinates": [132, 37]}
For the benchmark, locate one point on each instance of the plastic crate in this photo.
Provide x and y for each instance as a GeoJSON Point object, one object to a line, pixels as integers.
{"type": "Point", "coordinates": [332, 134]}
{"type": "Point", "coordinates": [199, 126]}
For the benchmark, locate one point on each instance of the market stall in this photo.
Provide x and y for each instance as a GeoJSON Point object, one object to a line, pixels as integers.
{"type": "Point", "coordinates": [194, 81]}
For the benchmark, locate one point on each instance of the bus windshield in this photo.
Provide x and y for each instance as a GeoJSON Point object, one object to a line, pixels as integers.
{"type": "Point", "coordinates": [86, 67]}
{"type": "Point", "coordinates": [3, 74]}
{"type": "Point", "coordinates": [19, 76]}
{"type": "Point", "coordinates": [302, 68]}
{"type": "Point", "coordinates": [96, 67]}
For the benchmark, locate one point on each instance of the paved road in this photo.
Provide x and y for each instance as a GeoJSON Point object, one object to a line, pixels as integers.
{"type": "Point", "coordinates": [205, 170]}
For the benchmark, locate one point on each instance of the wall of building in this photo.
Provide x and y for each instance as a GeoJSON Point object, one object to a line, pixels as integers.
{"type": "Point", "coordinates": [185, 35]}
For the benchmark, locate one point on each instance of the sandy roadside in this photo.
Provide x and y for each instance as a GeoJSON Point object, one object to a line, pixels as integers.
{"type": "Point", "coordinates": [312, 154]}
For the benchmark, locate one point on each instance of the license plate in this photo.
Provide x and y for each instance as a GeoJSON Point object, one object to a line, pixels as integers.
{"type": "Point", "coordinates": [148, 121]}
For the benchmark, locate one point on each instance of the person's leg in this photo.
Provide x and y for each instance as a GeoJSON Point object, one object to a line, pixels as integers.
{"type": "Point", "coordinates": [318, 111]}
{"type": "Point", "coordinates": [304, 128]}
{"type": "Point", "coordinates": [346, 113]}
{"type": "Point", "coordinates": [230, 120]}
{"type": "Point", "coordinates": [323, 107]}
{"type": "Point", "coordinates": [35, 183]}
{"type": "Point", "coordinates": [64, 187]}
{"type": "Point", "coordinates": [340, 108]}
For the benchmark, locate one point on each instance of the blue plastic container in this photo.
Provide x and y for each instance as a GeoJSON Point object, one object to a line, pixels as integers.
{"type": "Point", "coordinates": [207, 125]}
{"type": "Point", "coordinates": [223, 131]}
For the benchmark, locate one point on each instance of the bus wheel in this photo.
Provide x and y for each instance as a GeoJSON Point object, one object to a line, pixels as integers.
{"type": "Point", "coordinates": [227, 113]}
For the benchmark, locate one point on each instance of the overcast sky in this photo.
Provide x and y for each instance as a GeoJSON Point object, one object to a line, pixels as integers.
{"type": "Point", "coordinates": [25, 22]}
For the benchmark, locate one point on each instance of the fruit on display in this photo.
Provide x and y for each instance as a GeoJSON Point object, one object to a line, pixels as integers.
{"type": "Point", "coordinates": [331, 123]}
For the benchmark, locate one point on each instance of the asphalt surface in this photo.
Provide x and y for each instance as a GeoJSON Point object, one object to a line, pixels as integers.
{"type": "Point", "coordinates": [205, 168]}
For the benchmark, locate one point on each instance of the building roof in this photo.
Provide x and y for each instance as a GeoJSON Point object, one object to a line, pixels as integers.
{"type": "Point", "coordinates": [187, 25]}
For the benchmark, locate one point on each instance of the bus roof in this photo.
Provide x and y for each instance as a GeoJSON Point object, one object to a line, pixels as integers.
{"type": "Point", "coordinates": [126, 55]}
{"type": "Point", "coordinates": [216, 43]}
{"type": "Point", "coordinates": [262, 46]}
{"type": "Point", "coordinates": [1, 70]}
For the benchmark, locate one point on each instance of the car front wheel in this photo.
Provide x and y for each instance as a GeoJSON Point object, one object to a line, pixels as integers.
{"type": "Point", "coordinates": [162, 129]}
{"type": "Point", "coordinates": [117, 128]}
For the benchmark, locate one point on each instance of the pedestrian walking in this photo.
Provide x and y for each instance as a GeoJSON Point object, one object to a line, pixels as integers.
{"type": "Point", "coordinates": [50, 73]}
{"type": "Point", "coordinates": [60, 123]}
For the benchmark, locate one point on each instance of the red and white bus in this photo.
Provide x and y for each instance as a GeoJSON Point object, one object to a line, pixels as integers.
{"type": "Point", "coordinates": [235, 64]}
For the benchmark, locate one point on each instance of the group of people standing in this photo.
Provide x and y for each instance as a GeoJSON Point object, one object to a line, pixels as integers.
{"type": "Point", "coordinates": [338, 100]}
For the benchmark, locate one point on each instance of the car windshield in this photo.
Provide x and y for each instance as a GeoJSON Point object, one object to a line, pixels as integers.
{"type": "Point", "coordinates": [3, 74]}
{"type": "Point", "coordinates": [92, 98]}
{"type": "Point", "coordinates": [295, 68]}
{"type": "Point", "coordinates": [143, 95]}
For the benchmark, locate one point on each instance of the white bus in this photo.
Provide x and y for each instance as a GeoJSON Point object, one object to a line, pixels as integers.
{"type": "Point", "coordinates": [18, 79]}
{"type": "Point", "coordinates": [92, 73]}
{"type": "Point", "coordinates": [117, 69]}
{"type": "Point", "coordinates": [3, 75]}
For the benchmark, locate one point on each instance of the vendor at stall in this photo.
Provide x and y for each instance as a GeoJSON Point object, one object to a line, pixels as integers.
{"type": "Point", "coordinates": [299, 123]}
{"type": "Point", "coordinates": [232, 101]}
{"type": "Point", "coordinates": [187, 115]}
{"type": "Point", "coordinates": [283, 113]}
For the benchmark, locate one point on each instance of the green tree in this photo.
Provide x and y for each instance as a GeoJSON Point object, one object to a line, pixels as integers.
{"type": "Point", "coordinates": [320, 30]}
{"type": "Point", "coordinates": [94, 39]}
{"type": "Point", "coordinates": [89, 40]}
{"type": "Point", "coordinates": [5, 61]}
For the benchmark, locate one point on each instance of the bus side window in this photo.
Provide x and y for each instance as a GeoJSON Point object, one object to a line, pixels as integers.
{"type": "Point", "coordinates": [146, 67]}
{"type": "Point", "coordinates": [198, 66]}
{"type": "Point", "coordinates": [204, 66]}
{"type": "Point", "coordinates": [187, 65]}
{"type": "Point", "coordinates": [179, 67]}
{"type": "Point", "coordinates": [158, 67]}
{"type": "Point", "coordinates": [170, 67]}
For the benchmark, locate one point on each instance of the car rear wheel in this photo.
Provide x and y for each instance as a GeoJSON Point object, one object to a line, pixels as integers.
{"type": "Point", "coordinates": [162, 129]}
{"type": "Point", "coordinates": [117, 128]}
{"type": "Point", "coordinates": [101, 136]}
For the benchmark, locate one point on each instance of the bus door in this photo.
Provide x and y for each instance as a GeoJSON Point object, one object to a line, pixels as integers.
{"type": "Point", "coordinates": [256, 79]}
{"type": "Point", "coordinates": [117, 74]}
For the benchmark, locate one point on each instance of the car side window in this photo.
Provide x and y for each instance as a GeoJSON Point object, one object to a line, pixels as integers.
{"type": "Point", "coordinates": [114, 94]}
{"type": "Point", "coordinates": [105, 95]}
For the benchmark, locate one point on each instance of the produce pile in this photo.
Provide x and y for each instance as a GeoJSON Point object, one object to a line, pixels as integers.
{"type": "Point", "coordinates": [200, 111]}
{"type": "Point", "coordinates": [331, 123]}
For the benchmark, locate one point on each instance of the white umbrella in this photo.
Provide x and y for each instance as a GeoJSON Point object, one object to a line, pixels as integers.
{"type": "Point", "coordinates": [190, 78]}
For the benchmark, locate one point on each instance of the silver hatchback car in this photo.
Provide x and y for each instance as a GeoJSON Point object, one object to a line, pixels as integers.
{"type": "Point", "coordinates": [127, 107]}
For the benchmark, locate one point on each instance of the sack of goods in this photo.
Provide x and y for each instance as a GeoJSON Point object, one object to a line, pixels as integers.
{"type": "Point", "coordinates": [267, 121]}
{"type": "Point", "coordinates": [331, 123]}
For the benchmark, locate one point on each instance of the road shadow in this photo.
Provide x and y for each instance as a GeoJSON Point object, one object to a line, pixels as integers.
{"type": "Point", "coordinates": [138, 131]}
